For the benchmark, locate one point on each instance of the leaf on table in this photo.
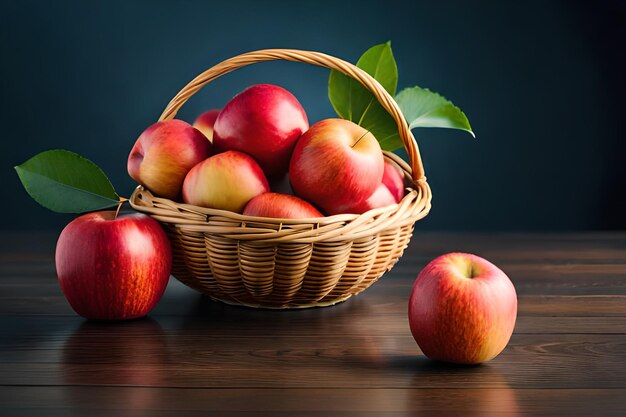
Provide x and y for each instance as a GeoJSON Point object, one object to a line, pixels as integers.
{"type": "Point", "coordinates": [424, 108]}
{"type": "Point", "coordinates": [65, 182]}
{"type": "Point", "coordinates": [352, 101]}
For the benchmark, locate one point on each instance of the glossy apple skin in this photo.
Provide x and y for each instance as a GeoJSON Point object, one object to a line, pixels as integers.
{"type": "Point", "coordinates": [381, 197]}
{"type": "Point", "coordinates": [263, 121]}
{"type": "Point", "coordinates": [335, 164]}
{"type": "Point", "coordinates": [393, 179]}
{"type": "Point", "coordinates": [458, 319]}
{"type": "Point", "coordinates": [205, 122]}
{"type": "Point", "coordinates": [113, 268]}
{"type": "Point", "coordinates": [280, 206]}
{"type": "Point", "coordinates": [163, 155]}
{"type": "Point", "coordinates": [226, 181]}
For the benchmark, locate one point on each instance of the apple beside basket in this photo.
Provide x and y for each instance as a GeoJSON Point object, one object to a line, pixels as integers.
{"type": "Point", "coordinates": [289, 263]}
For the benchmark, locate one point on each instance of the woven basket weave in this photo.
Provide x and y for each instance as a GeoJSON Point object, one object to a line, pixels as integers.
{"type": "Point", "coordinates": [288, 263]}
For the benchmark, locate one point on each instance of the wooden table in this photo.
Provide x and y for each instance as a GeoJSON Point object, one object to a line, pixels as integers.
{"type": "Point", "coordinates": [193, 356]}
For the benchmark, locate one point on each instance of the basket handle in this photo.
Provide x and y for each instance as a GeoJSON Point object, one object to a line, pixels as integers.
{"type": "Point", "coordinates": [313, 58]}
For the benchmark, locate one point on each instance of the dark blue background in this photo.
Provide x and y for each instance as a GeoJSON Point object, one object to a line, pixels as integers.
{"type": "Point", "coordinates": [541, 82]}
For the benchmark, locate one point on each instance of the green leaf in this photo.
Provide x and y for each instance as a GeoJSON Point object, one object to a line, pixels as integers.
{"type": "Point", "coordinates": [65, 182]}
{"type": "Point", "coordinates": [424, 108]}
{"type": "Point", "coordinates": [354, 102]}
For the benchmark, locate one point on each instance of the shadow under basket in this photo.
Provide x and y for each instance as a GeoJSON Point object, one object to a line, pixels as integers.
{"type": "Point", "coordinates": [289, 263]}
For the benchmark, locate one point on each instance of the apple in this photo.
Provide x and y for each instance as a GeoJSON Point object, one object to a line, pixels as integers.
{"type": "Point", "coordinates": [393, 179]}
{"type": "Point", "coordinates": [462, 309]}
{"type": "Point", "coordinates": [281, 206]}
{"type": "Point", "coordinates": [335, 164]}
{"type": "Point", "coordinates": [164, 154]}
{"type": "Point", "coordinates": [226, 181]}
{"type": "Point", "coordinates": [204, 123]}
{"type": "Point", "coordinates": [113, 268]}
{"type": "Point", "coordinates": [263, 121]}
{"type": "Point", "coordinates": [380, 198]}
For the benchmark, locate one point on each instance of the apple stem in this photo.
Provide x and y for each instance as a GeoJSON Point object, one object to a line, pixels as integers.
{"type": "Point", "coordinates": [119, 206]}
{"type": "Point", "coordinates": [358, 140]}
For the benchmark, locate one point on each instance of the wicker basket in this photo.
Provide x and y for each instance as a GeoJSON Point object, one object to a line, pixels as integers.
{"type": "Point", "coordinates": [287, 263]}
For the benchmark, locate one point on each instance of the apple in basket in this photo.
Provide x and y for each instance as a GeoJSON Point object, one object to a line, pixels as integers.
{"type": "Point", "coordinates": [204, 123]}
{"type": "Point", "coordinates": [263, 121]}
{"type": "Point", "coordinates": [113, 268]}
{"type": "Point", "coordinates": [393, 179]}
{"type": "Point", "coordinates": [164, 154]}
{"type": "Point", "coordinates": [281, 206]}
{"type": "Point", "coordinates": [381, 197]}
{"type": "Point", "coordinates": [335, 165]}
{"type": "Point", "coordinates": [389, 192]}
{"type": "Point", "coordinates": [462, 309]}
{"type": "Point", "coordinates": [226, 181]}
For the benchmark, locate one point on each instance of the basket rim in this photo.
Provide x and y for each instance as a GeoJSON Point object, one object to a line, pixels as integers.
{"type": "Point", "coordinates": [206, 211]}
{"type": "Point", "coordinates": [414, 205]}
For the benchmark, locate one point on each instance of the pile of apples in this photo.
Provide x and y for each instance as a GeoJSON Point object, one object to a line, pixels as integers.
{"type": "Point", "coordinates": [236, 159]}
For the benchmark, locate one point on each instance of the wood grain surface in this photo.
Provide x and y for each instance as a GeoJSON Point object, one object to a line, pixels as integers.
{"type": "Point", "coordinates": [192, 356]}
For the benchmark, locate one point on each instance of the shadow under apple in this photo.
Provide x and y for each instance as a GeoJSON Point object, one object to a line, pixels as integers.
{"type": "Point", "coordinates": [439, 388]}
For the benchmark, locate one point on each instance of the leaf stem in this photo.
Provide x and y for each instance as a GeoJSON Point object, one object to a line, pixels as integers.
{"type": "Point", "coordinates": [365, 112]}
{"type": "Point", "coordinates": [119, 206]}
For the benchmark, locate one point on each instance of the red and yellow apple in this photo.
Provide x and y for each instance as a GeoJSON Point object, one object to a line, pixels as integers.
{"type": "Point", "coordinates": [281, 206]}
{"type": "Point", "coordinates": [113, 268]}
{"type": "Point", "coordinates": [335, 164]}
{"type": "Point", "coordinates": [393, 179]}
{"type": "Point", "coordinates": [263, 121]}
{"type": "Point", "coordinates": [462, 309]}
{"type": "Point", "coordinates": [204, 123]}
{"type": "Point", "coordinates": [164, 154]}
{"type": "Point", "coordinates": [226, 181]}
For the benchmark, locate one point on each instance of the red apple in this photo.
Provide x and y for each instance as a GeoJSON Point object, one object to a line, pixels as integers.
{"type": "Point", "coordinates": [164, 154]}
{"type": "Point", "coordinates": [226, 181]}
{"type": "Point", "coordinates": [263, 121]}
{"type": "Point", "coordinates": [280, 206]}
{"type": "Point", "coordinates": [335, 164]}
{"type": "Point", "coordinates": [380, 198]}
{"type": "Point", "coordinates": [393, 179]}
{"type": "Point", "coordinates": [204, 123]}
{"type": "Point", "coordinates": [462, 309]}
{"type": "Point", "coordinates": [113, 268]}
